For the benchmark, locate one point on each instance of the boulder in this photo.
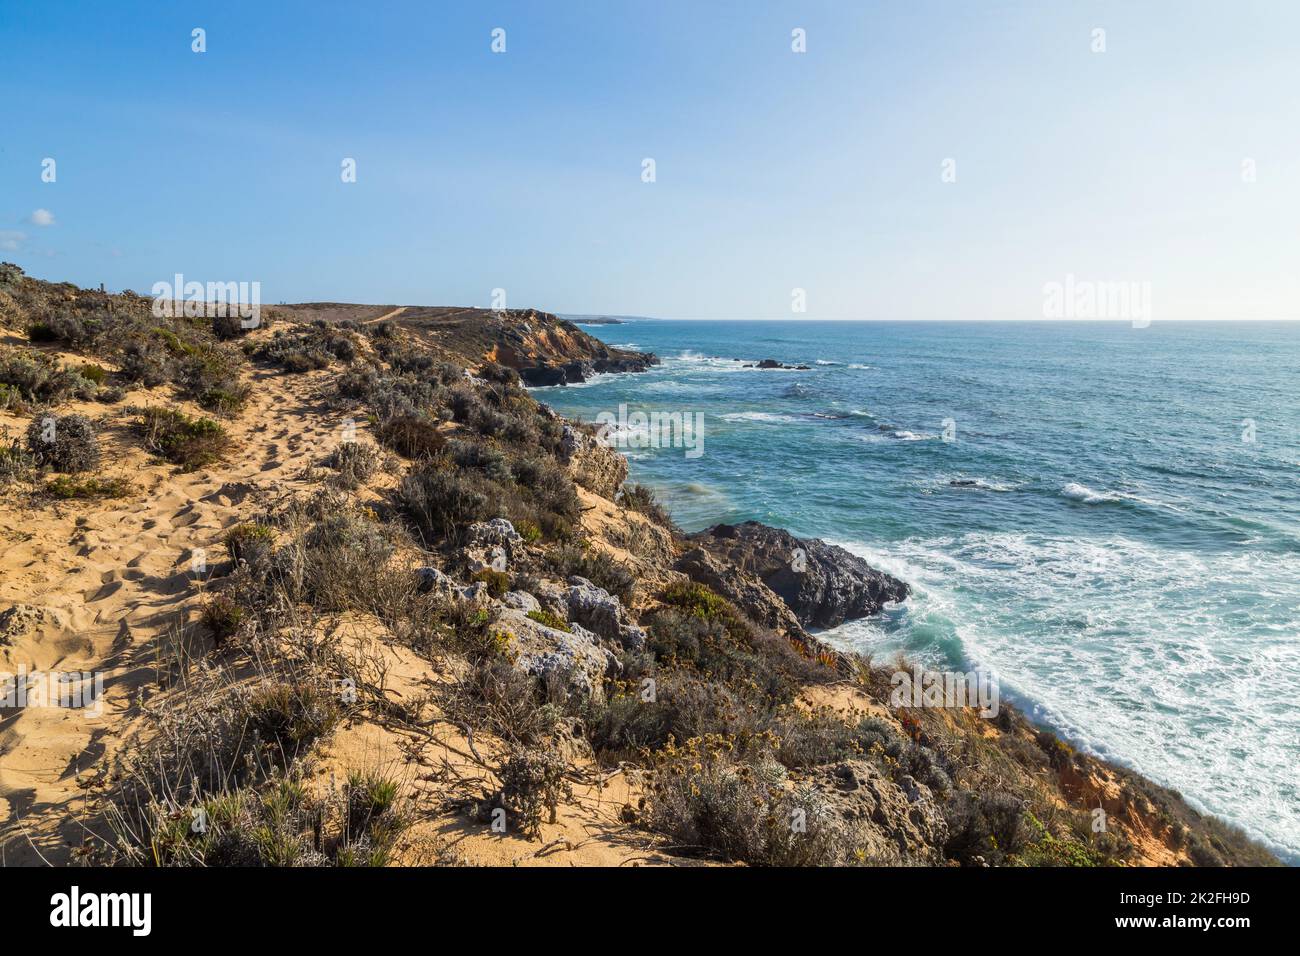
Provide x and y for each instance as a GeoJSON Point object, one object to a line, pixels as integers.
{"type": "Point", "coordinates": [552, 598]}
{"type": "Point", "coordinates": [574, 657]}
{"type": "Point", "coordinates": [903, 813]}
{"type": "Point", "coordinates": [491, 545]}
{"type": "Point", "coordinates": [435, 581]}
{"type": "Point", "coordinates": [520, 601]}
{"type": "Point", "coordinates": [599, 610]}
{"type": "Point", "coordinates": [759, 603]}
{"type": "Point", "coordinates": [823, 584]}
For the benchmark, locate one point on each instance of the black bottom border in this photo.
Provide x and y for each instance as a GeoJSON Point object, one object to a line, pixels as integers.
{"type": "Point", "coordinates": [333, 906]}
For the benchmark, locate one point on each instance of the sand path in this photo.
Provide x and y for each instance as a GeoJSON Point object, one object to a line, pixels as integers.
{"type": "Point", "coordinates": [114, 582]}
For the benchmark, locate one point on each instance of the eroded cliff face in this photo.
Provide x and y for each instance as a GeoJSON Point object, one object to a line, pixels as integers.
{"type": "Point", "coordinates": [543, 348]}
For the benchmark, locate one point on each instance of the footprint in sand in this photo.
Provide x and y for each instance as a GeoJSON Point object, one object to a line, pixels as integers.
{"type": "Point", "coordinates": [185, 517]}
{"type": "Point", "coordinates": [107, 591]}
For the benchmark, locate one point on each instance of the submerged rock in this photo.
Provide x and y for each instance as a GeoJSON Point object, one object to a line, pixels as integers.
{"type": "Point", "coordinates": [773, 363]}
{"type": "Point", "coordinates": [823, 584]}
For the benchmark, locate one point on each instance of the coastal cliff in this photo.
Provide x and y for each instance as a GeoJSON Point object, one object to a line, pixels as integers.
{"type": "Point", "coordinates": [354, 595]}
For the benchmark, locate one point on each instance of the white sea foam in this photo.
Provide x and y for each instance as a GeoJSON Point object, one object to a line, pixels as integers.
{"type": "Point", "coordinates": [904, 435]}
{"type": "Point", "coordinates": [979, 484]}
{"type": "Point", "coordinates": [1077, 492]}
{"type": "Point", "coordinates": [770, 418]}
{"type": "Point", "coordinates": [1133, 665]}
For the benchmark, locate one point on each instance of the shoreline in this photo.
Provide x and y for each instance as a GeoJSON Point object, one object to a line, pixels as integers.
{"type": "Point", "coordinates": [1023, 697]}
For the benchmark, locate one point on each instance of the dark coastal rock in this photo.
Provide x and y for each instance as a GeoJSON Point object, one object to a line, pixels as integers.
{"type": "Point", "coordinates": [760, 603]}
{"type": "Point", "coordinates": [538, 376]}
{"type": "Point", "coordinates": [823, 585]}
{"type": "Point", "coordinates": [773, 363]}
{"type": "Point", "coordinates": [627, 362]}
{"type": "Point", "coordinates": [579, 370]}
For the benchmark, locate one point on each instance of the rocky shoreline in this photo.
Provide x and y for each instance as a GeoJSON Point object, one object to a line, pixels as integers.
{"type": "Point", "coordinates": [381, 506]}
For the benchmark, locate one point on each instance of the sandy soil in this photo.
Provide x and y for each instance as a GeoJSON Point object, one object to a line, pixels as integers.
{"type": "Point", "coordinates": [112, 584]}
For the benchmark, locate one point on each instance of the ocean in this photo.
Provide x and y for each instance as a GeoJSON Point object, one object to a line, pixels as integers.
{"type": "Point", "coordinates": [1106, 517]}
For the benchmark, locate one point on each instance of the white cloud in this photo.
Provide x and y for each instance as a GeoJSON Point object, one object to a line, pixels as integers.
{"type": "Point", "coordinates": [11, 241]}
{"type": "Point", "coordinates": [42, 217]}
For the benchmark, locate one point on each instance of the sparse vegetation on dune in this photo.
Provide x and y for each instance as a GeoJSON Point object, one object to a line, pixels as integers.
{"type": "Point", "coordinates": [122, 329]}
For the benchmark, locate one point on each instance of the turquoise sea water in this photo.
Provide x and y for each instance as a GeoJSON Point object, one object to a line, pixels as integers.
{"type": "Point", "coordinates": [1117, 550]}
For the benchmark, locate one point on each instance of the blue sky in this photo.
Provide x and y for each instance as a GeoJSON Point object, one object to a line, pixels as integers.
{"type": "Point", "coordinates": [774, 170]}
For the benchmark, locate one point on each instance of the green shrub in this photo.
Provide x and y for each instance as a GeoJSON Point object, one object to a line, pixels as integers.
{"type": "Point", "coordinates": [547, 619]}
{"type": "Point", "coordinates": [249, 542]}
{"type": "Point", "coordinates": [289, 717]}
{"type": "Point", "coordinates": [498, 583]}
{"type": "Point", "coordinates": [93, 373]}
{"type": "Point", "coordinates": [181, 439]}
{"type": "Point", "coordinates": [67, 488]}
{"type": "Point", "coordinates": [222, 616]}
{"type": "Point", "coordinates": [42, 332]}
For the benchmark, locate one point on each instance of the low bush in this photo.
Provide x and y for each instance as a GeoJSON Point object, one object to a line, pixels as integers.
{"type": "Point", "coordinates": [249, 542]}
{"type": "Point", "coordinates": [307, 348]}
{"type": "Point", "coordinates": [38, 379]}
{"type": "Point", "coordinates": [709, 803]}
{"type": "Point", "coordinates": [16, 463]}
{"type": "Point", "coordinates": [641, 499]}
{"type": "Point", "coordinates": [596, 566]}
{"type": "Point", "coordinates": [277, 823]}
{"type": "Point", "coordinates": [443, 500]}
{"type": "Point", "coordinates": [93, 373]}
{"type": "Point", "coordinates": [354, 462]}
{"type": "Point", "coordinates": [181, 439]}
{"type": "Point", "coordinates": [67, 488]}
{"type": "Point", "coordinates": [222, 617]}
{"type": "Point", "coordinates": [985, 827]}
{"type": "Point", "coordinates": [532, 786]}
{"type": "Point", "coordinates": [64, 443]}
{"type": "Point", "coordinates": [412, 436]}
